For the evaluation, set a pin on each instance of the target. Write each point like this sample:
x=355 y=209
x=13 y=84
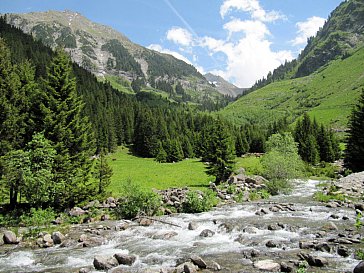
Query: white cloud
x=248 y=27
x=179 y=36
x=307 y=29
x=251 y=6
x=175 y=54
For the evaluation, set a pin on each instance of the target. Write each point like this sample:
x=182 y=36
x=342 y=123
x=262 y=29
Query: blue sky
x=241 y=40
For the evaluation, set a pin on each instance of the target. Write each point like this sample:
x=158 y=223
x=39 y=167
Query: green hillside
x=328 y=94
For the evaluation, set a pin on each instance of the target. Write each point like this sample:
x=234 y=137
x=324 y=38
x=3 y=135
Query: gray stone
x=343 y=251
x=192 y=226
x=189 y=268
x=267 y=265
x=330 y=226
x=76 y=211
x=84 y=270
x=315 y=260
x=359 y=268
x=287 y=267
x=125 y=259
x=197 y=260
x=272 y=243
x=10 y=237
x=207 y=233
x=105 y=263
x=58 y=237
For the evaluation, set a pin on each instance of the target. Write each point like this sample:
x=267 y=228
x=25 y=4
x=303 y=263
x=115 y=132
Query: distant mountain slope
x=223 y=86
x=107 y=53
x=340 y=36
x=328 y=94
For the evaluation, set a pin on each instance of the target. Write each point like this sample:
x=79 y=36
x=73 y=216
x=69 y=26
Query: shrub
x=136 y=202
x=196 y=203
x=261 y=194
x=37 y=220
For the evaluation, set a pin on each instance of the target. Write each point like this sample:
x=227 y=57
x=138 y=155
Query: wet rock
x=359 y=206
x=145 y=222
x=274 y=227
x=207 y=233
x=197 y=260
x=267 y=265
x=252 y=230
x=343 y=241
x=125 y=259
x=330 y=226
x=262 y=211
x=76 y=211
x=287 y=267
x=306 y=244
x=343 y=251
x=359 y=268
x=9 y=237
x=45 y=241
x=189 y=268
x=214 y=266
x=165 y=235
x=192 y=226
x=227 y=226
x=323 y=247
x=315 y=260
x=58 y=237
x=105 y=263
x=272 y=243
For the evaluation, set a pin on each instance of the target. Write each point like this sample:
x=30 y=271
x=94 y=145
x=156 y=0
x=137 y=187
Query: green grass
x=251 y=164
x=150 y=174
x=328 y=95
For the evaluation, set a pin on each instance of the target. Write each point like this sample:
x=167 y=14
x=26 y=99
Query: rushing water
x=237 y=228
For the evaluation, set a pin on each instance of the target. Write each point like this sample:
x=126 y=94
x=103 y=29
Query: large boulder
x=10 y=237
x=125 y=259
x=58 y=237
x=267 y=265
x=76 y=211
x=198 y=261
x=105 y=263
x=315 y=260
x=359 y=268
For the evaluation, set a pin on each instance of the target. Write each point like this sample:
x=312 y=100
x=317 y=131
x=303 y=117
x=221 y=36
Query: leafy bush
x=261 y=194
x=37 y=220
x=196 y=203
x=136 y=202
x=323 y=197
x=277 y=186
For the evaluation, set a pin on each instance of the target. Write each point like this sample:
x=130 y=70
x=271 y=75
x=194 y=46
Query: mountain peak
x=224 y=86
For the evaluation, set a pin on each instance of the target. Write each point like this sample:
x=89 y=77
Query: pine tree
x=354 y=154
x=70 y=132
x=102 y=173
x=220 y=157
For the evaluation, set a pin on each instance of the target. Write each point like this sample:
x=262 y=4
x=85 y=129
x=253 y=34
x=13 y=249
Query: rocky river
x=263 y=236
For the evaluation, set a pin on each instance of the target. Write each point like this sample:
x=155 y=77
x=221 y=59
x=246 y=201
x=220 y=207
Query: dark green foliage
x=315 y=143
x=102 y=172
x=241 y=143
x=354 y=154
x=69 y=130
x=174 y=150
x=219 y=152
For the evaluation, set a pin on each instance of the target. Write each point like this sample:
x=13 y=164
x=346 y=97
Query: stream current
x=237 y=231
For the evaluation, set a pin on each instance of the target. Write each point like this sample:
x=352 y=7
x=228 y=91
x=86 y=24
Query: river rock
x=105 y=217
x=125 y=259
x=359 y=268
x=272 y=243
x=76 y=211
x=192 y=226
x=145 y=222
x=274 y=227
x=197 y=260
x=306 y=244
x=57 y=237
x=105 y=263
x=189 y=268
x=323 y=247
x=84 y=270
x=165 y=235
x=45 y=241
x=343 y=251
x=315 y=260
x=252 y=230
x=330 y=226
x=207 y=233
x=214 y=266
x=267 y=265
x=287 y=267
x=9 y=237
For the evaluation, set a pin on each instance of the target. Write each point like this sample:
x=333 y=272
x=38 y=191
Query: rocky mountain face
x=223 y=86
x=106 y=52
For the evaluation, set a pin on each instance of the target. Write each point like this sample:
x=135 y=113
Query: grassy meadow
x=150 y=174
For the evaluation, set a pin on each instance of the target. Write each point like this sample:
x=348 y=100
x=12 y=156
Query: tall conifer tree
x=70 y=132
x=354 y=156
